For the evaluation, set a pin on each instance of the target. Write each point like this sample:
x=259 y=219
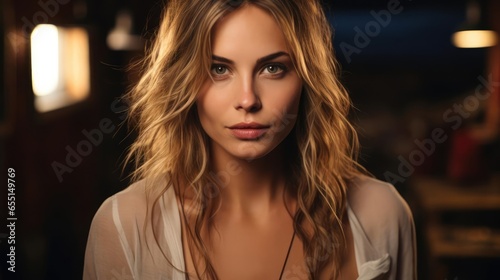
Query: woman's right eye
x=219 y=70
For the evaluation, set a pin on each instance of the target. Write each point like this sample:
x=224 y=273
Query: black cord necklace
x=287 y=254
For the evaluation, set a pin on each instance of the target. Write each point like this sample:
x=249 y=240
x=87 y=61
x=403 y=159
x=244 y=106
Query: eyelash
x=283 y=70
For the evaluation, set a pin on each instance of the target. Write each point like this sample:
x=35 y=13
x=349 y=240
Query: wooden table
x=436 y=196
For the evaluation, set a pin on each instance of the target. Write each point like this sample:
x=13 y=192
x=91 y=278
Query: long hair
x=171 y=141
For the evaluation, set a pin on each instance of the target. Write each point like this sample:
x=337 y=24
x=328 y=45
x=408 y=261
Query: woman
x=245 y=159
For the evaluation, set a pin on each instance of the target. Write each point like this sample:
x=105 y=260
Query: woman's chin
x=250 y=151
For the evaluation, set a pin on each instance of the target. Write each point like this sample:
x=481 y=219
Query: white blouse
x=119 y=248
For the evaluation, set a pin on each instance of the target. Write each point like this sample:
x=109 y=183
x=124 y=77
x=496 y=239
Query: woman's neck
x=250 y=187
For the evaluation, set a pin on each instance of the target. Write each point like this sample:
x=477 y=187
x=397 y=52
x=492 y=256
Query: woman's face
x=251 y=102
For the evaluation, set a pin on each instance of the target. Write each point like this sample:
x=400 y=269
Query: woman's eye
x=274 y=69
x=219 y=69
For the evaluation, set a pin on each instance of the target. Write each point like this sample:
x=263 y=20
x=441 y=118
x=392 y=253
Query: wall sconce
x=121 y=37
x=59 y=66
x=474 y=33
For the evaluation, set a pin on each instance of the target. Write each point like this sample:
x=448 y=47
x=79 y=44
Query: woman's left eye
x=273 y=69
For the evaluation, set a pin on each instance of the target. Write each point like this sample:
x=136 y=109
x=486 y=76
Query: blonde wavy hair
x=171 y=141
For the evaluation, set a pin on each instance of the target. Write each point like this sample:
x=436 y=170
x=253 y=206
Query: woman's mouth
x=248 y=131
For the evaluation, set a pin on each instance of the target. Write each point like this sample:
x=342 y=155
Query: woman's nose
x=247 y=96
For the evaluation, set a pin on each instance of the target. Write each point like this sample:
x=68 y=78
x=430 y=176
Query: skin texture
x=253 y=226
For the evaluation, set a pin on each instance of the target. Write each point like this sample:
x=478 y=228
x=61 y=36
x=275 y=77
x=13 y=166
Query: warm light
x=120 y=38
x=474 y=38
x=45 y=59
x=76 y=63
x=60 y=66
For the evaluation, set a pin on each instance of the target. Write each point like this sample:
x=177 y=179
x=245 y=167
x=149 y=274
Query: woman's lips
x=248 y=131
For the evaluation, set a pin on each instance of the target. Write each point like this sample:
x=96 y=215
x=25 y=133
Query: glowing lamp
x=59 y=66
x=474 y=33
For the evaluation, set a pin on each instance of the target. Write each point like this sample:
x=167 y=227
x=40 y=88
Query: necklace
x=286 y=258
x=287 y=254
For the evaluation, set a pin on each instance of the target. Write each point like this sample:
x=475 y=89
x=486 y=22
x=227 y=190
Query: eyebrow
x=259 y=61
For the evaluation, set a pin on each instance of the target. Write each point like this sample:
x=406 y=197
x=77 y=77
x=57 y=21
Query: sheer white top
x=119 y=248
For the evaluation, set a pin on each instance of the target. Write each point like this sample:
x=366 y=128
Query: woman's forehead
x=248 y=29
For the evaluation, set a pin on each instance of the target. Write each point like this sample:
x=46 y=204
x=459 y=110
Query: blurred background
x=424 y=81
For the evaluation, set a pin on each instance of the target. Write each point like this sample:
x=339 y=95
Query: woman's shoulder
x=128 y=235
x=377 y=204
x=130 y=204
x=383 y=229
